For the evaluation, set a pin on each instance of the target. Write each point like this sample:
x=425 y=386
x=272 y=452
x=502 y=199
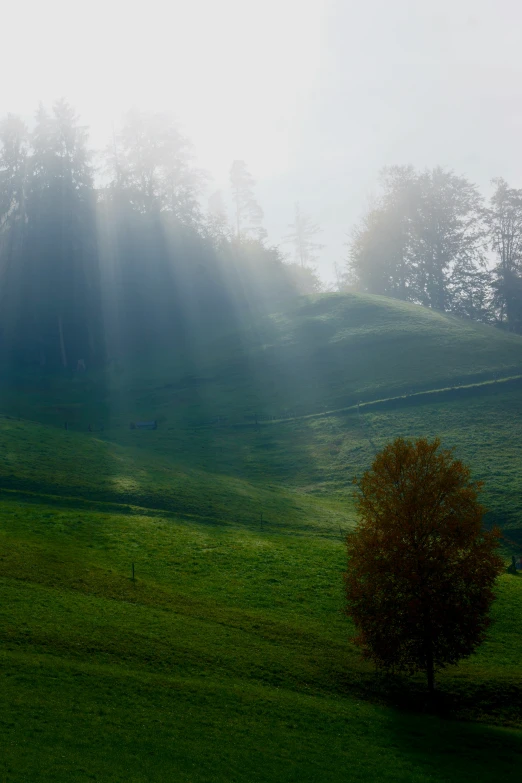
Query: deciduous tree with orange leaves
x=421 y=566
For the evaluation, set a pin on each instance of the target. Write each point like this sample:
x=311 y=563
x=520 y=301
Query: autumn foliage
x=421 y=567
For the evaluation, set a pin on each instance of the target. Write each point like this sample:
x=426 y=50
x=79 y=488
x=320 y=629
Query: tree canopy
x=430 y=238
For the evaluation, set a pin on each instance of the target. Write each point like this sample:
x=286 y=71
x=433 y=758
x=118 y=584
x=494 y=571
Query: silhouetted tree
x=421 y=567
x=504 y=220
x=447 y=233
x=61 y=236
x=470 y=290
x=425 y=229
x=14 y=151
x=89 y=272
x=14 y=139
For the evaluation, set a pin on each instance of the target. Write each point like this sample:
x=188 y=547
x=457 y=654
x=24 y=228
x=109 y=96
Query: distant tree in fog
x=217 y=227
x=151 y=161
x=89 y=271
x=425 y=230
x=303 y=278
x=248 y=213
x=302 y=238
x=504 y=220
x=60 y=277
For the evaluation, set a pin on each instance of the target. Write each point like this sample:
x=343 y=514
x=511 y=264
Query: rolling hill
x=228 y=657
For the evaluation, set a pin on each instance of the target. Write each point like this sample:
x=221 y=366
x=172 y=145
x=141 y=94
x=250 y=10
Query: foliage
x=151 y=163
x=304 y=279
x=504 y=220
x=424 y=241
x=421 y=569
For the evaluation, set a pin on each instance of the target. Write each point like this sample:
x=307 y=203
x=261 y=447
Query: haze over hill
x=296 y=400
x=184 y=405
x=347 y=89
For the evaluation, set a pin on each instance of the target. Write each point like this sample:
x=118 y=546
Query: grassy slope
x=229 y=658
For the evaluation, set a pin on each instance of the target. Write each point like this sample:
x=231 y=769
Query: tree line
x=109 y=251
x=102 y=252
x=431 y=238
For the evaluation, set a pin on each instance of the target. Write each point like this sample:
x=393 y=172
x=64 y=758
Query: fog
x=317 y=96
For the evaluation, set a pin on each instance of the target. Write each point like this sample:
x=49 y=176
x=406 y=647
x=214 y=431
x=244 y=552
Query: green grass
x=229 y=658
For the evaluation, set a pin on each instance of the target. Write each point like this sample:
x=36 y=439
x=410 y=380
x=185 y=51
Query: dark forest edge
x=96 y=261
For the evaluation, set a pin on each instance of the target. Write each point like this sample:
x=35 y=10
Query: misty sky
x=315 y=95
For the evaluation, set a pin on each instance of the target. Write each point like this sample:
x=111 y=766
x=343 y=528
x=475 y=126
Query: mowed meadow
x=228 y=657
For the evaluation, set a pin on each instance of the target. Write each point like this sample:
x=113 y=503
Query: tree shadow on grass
x=494 y=701
x=434 y=734
x=457 y=751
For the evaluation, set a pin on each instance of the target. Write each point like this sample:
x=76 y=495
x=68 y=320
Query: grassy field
x=229 y=657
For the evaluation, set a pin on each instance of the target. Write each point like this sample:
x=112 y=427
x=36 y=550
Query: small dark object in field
x=144 y=425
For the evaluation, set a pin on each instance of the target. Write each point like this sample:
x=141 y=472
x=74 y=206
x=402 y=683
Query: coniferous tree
x=14 y=153
x=61 y=237
x=14 y=140
x=87 y=273
x=248 y=213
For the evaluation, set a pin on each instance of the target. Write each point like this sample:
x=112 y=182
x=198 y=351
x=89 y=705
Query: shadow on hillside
x=449 y=750
x=494 y=701
x=452 y=738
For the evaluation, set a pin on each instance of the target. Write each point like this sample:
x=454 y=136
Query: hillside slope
x=228 y=657
x=330 y=351
x=236 y=415
x=321 y=353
